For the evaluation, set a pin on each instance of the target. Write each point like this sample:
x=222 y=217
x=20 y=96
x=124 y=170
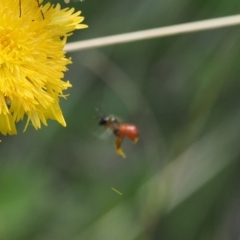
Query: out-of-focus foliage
x=181 y=181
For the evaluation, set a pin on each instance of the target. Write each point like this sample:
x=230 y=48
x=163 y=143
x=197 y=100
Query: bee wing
x=102 y=133
x=105 y=134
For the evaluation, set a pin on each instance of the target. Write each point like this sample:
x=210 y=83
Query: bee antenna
x=97 y=109
x=99 y=113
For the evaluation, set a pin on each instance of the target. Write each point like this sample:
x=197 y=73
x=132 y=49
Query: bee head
x=103 y=121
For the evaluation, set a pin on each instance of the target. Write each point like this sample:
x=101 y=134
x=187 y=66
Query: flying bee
x=120 y=131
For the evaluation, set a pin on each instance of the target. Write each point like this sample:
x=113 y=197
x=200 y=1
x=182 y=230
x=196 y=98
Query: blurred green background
x=181 y=180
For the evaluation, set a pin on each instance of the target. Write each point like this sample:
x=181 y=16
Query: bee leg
x=118 y=144
x=135 y=140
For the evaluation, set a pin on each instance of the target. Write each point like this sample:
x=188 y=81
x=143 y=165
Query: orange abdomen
x=129 y=130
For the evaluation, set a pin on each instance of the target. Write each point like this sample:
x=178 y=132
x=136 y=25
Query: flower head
x=32 y=61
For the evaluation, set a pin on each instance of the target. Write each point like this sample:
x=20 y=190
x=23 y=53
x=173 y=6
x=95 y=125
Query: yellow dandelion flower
x=32 y=61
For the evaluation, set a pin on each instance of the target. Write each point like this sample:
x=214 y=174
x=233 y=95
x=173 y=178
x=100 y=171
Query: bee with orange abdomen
x=120 y=130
